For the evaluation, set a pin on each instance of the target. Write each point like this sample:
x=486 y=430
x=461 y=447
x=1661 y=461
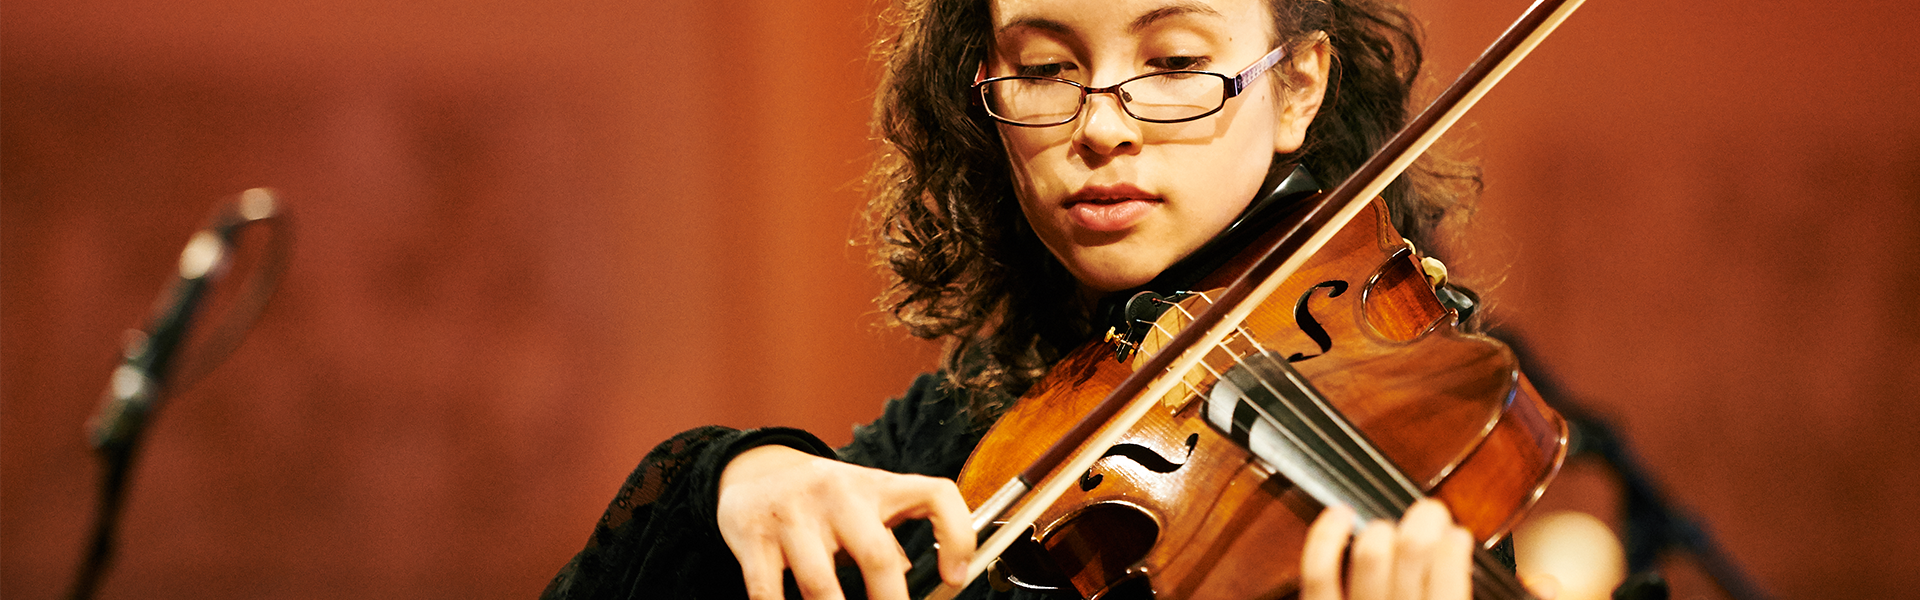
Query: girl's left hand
x=1425 y=555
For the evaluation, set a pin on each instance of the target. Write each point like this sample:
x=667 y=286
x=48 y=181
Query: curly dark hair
x=945 y=221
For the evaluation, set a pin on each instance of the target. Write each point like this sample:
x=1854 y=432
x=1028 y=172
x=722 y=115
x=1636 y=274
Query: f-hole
x=1141 y=455
x=1303 y=318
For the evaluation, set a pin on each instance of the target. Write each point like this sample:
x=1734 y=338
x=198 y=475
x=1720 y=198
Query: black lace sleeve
x=925 y=432
x=658 y=538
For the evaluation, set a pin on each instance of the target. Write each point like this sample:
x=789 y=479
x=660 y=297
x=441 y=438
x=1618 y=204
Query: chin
x=1116 y=267
x=1113 y=280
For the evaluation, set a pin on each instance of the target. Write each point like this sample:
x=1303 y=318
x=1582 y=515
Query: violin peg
x=1436 y=271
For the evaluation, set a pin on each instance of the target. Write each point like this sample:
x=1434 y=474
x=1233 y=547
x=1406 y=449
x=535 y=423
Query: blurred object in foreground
x=1574 y=547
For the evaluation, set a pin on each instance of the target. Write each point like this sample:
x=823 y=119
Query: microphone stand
x=147 y=366
x=118 y=462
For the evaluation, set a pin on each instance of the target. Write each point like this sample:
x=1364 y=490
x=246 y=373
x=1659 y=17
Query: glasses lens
x=1174 y=95
x=1033 y=101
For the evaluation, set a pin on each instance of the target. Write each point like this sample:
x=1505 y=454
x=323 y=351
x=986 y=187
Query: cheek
x=1032 y=164
x=1226 y=172
x=1028 y=153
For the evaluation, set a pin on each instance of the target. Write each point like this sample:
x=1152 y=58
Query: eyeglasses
x=1162 y=97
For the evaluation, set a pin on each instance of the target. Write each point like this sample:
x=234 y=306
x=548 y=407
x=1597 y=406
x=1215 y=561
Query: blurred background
x=535 y=239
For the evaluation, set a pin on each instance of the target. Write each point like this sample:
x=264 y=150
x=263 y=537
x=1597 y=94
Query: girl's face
x=1118 y=200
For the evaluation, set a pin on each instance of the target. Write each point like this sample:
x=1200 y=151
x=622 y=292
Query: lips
x=1109 y=208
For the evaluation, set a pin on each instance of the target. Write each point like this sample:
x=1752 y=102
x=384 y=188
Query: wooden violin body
x=1182 y=510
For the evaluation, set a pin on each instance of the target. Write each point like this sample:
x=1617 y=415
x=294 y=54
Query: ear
x=1306 y=87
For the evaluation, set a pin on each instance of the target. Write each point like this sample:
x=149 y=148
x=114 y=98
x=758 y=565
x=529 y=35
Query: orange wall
x=533 y=240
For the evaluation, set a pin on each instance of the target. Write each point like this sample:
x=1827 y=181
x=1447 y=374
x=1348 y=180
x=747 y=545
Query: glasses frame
x=1232 y=86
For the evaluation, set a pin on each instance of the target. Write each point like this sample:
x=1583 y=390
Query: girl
x=1042 y=155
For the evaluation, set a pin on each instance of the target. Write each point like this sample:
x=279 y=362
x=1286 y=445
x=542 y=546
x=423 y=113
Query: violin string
x=1353 y=465
x=1347 y=475
x=1193 y=391
x=1367 y=479
x=1364 y=480
x=1365 y=490
x=1350 y=472
x=1490 y=577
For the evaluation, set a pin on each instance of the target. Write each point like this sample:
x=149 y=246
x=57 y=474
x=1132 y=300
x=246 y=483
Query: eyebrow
x=1139 y=24
x=1169 y=11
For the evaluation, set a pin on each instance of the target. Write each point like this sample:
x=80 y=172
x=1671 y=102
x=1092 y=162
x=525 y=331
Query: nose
x=1105 y=128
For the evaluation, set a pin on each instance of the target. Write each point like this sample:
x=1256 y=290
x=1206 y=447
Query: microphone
x=147 y=357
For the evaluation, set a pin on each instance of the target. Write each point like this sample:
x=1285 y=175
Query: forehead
x=1129 y=17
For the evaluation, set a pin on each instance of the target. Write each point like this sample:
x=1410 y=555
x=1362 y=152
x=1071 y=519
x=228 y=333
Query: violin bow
x=1083 y=445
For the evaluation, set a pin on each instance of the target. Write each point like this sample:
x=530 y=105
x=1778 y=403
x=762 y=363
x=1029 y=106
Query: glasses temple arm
x=1240 y=82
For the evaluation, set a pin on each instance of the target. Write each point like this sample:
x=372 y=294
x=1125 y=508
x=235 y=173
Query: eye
x=1055 y=70
x=1180 y=63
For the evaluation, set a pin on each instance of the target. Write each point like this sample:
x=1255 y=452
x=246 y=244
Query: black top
x=659 y=538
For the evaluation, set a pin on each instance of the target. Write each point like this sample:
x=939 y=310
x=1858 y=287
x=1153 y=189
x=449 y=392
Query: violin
x=1189 y=454
x=1190 y=502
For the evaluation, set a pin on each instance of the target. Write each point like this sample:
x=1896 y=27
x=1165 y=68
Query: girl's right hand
x=782 y=509
x=1425 y=555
